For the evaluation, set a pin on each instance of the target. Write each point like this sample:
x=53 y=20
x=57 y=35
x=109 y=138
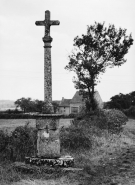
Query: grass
x=61 y=181
x=10 y=124
x=104 y=147
x=8 y=176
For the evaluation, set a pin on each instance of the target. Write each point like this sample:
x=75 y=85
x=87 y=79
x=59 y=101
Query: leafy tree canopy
x=122 y=101
x=29 y=105
x=100 y=48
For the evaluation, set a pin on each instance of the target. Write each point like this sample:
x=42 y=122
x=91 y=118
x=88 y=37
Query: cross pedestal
x=48 y=143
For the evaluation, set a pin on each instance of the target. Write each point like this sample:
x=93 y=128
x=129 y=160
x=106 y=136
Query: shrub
x=21 y=143
x=4 y=139
x=130 y=112
x=69 y=116
x=74 y=138
x=111 y=119
x=15 y=116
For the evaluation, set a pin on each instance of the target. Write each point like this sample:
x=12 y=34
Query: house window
x=74 y=110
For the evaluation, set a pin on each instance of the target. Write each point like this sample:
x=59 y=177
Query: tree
x=132 y=94
x=25 y=104
x=100 y=48
x=39 y=105
x=55 y=106
x=122 y=101
x=29 y=105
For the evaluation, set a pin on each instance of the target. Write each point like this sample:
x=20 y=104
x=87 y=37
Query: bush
x=4 y=139
x=74 y=138
x=69 y=116
x=130 y=112
x=111 y=119
x=15 y=116
x=21 y=143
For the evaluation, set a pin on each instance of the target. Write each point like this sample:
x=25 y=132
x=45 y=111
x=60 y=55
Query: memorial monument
x=48 y=141
x=47 y=39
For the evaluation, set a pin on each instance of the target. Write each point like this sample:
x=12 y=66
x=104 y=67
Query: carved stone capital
x=47 y=39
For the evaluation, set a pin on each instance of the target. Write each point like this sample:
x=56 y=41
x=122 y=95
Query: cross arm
x=40 y=23
x=54 y=23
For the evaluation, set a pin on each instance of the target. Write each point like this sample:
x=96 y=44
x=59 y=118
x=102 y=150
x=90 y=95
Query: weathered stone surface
x=50 y=122
x=47 y=76
x=47 y=58
x=48 y=142
x=61 y=162
x=47 y=23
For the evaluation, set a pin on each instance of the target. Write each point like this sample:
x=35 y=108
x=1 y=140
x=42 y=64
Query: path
x=130 y=124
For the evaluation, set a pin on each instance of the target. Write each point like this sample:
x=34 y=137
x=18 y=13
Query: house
x=64 y=106
x=71 y=106
x=98 y=100
x=74 y=105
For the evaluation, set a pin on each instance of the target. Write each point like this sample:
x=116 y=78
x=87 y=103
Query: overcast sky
x=22 y=52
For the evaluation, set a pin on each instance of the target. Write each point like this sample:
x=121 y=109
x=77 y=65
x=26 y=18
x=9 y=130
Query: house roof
x=65 y=103
x=77 y=98
x=56 y=101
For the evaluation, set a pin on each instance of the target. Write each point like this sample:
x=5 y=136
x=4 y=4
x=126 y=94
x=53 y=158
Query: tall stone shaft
x=47 y=56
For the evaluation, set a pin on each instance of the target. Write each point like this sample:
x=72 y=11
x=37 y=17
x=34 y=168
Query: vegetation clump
x=19 y=144
x=111 y=119
x=130 y=112
x=74 y=138
x=94 y=52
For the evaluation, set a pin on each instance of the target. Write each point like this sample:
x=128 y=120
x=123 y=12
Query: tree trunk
x=92 y=97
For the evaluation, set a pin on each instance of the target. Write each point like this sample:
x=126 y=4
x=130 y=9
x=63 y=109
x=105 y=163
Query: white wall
x=64 y=110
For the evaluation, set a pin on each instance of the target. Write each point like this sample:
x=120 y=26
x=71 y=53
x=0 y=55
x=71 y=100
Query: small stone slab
x=66 y=161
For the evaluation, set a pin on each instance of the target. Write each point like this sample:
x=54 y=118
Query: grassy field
x=100 y=164
x=11 y=124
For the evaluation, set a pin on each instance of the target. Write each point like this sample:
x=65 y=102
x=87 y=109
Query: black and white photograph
x=67 y=92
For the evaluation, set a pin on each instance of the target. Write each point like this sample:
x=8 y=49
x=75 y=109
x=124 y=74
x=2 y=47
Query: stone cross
x=47 y=23
x=47 y=57
x=48 y=125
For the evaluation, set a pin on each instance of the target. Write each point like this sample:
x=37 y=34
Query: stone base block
x=66 y=161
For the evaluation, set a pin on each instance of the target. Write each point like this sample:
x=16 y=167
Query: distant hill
x=7 y=104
